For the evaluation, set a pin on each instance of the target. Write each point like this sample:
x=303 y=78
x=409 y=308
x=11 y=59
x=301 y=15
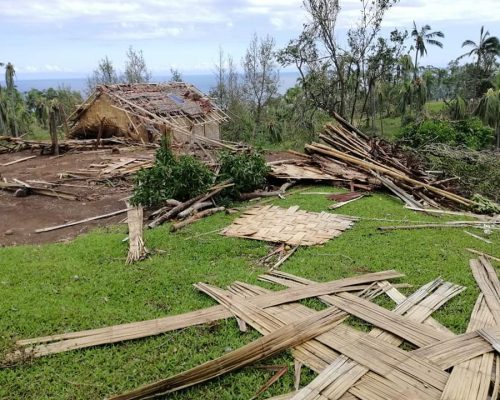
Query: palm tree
x=489 y=111
x=423 y=37
x=487 y=46
x=10 y=72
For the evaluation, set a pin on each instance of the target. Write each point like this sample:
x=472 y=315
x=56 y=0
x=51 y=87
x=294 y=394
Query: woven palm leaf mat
x=291 y=226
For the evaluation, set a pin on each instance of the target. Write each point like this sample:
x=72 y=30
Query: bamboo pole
x=317 y=147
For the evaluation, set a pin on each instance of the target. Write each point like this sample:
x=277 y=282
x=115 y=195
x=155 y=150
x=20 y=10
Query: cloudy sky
x=62 y=38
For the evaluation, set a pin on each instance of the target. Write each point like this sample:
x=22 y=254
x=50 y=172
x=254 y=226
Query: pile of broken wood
x=191 y=210
x=351 y=157
x=110 y=169
x=406 y=355
x=9 y=144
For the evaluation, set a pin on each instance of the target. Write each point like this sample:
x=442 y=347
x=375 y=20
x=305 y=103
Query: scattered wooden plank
x=343 y=203
x=17 y=161
x=36 y=190
x=487 y=280
x=53 y=228
x=462 y=224
x=196 y=217
x=478 y=237
x=284 y=258
x=480 y=253
x=264 y=347
x=76 y=340
x=418 y=334
x=181 y=207
x=470 y=380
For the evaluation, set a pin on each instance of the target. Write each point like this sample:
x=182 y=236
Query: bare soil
x=20 y=216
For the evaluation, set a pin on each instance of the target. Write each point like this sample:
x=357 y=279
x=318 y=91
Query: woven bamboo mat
x=291 y=226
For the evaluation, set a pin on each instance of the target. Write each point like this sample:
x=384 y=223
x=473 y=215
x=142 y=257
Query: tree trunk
x=497 y=147
x=356 y=90
x=53 y=132
x=415 y=67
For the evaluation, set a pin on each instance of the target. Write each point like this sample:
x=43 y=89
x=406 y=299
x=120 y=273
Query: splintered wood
x=350 y=363
x=291 y=226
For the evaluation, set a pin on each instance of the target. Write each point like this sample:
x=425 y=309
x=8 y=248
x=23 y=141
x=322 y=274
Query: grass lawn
x=86 y=284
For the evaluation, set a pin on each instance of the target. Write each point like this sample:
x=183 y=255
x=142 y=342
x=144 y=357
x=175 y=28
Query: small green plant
x=248 y=171
x=478 y=172
x=469 y=132
x=170 y=178
x=484 y=205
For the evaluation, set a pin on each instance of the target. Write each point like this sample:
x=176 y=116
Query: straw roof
x=178 y=104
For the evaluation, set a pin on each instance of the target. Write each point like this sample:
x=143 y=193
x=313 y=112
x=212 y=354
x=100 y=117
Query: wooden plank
x=53 y=228
x=480 y=253
x=136 y=330
x=450 y=352
x=478 y=237
x=18 y=161
x=344 y=372
x=416 y=333
x=344 y=336
x=470 y=380
x=264 y=347
x=487 y=280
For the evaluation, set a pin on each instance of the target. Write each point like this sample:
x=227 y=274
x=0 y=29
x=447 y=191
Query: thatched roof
x=176 y=103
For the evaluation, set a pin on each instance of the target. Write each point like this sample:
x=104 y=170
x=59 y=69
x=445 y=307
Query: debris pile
x=351 y=158
x=348 y=146
x=191 y=210
x=10 y=144
x=406 y=355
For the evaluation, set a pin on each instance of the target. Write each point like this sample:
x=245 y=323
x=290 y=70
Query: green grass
x=434 y=106
x=391 y=125
x=86 y=284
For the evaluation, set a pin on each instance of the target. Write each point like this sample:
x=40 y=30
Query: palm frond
x=469 y=43
x=435 y=43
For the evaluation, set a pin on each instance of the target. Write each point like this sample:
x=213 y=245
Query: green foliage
x=92 y=289
x=484 y=205
x=470 y=132
x=170 y=178
x=247 y=170
x=478 y=171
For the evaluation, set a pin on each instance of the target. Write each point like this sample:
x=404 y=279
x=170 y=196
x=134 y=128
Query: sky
x=67 y=38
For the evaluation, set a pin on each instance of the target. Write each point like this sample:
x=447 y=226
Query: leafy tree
x=486 y=50
x=489 y=111
x=175 y=75
x=104 y=74
x=423 y=37
x=14 y=117
x=261 y=76
x=136 y=70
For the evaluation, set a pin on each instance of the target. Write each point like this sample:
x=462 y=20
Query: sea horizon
x=204 y=82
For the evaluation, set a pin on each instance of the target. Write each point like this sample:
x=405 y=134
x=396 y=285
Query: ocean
x=204 y=82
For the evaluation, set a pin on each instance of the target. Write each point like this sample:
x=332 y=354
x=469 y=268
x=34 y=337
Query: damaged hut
x=146 y=112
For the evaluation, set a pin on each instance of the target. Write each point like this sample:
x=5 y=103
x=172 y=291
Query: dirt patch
x=273 y=156
x=21 y=216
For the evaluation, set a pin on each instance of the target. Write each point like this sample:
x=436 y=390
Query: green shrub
x=470 y=132
x=248 y=170
x=478 y=171
x=170 y=178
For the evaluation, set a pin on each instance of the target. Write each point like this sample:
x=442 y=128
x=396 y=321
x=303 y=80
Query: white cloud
x=428 y=11
x=147 y=19
x=41 y=68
